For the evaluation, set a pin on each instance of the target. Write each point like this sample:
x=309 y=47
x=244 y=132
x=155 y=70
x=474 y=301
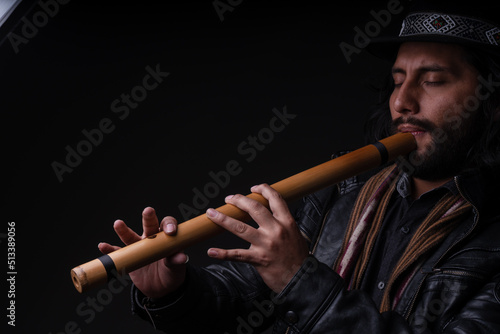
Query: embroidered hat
x=472 y=23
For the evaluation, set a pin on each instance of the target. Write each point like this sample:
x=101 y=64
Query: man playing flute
x=415 y=248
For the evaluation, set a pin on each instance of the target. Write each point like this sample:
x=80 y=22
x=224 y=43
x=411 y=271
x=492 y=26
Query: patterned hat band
x=461 y=27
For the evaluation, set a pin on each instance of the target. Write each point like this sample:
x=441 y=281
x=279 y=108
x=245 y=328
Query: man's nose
x=405 y=99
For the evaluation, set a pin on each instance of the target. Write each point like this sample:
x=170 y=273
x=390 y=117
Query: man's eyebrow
x=423 y=69
x=396 y=70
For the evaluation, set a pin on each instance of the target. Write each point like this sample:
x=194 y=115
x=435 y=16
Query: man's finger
x=126 y=235
x=177 y=259
x=149 y=222
x=259 y=213
x=169 y=225
x=277 y=204
x=238 y=255
x=238 y=228
x=106 y=248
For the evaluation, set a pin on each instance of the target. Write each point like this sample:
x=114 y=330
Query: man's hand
x=277 y=248
x=161 y=277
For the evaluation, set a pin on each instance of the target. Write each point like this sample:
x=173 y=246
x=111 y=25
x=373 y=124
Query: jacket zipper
x=455 y=272
x=315 y=245
x=320 y=232
x=476 y=220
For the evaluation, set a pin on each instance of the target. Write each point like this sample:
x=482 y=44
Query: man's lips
x=414 y=130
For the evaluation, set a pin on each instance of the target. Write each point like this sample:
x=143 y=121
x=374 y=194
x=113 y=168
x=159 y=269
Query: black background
x=226 y=76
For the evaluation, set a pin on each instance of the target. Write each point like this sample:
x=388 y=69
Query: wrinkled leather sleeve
x=230 y=300
x=316 y=301
x=216 y=299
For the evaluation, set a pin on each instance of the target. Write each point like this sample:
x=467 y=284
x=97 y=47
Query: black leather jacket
x=456 y=291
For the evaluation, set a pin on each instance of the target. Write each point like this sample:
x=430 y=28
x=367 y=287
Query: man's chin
x=432 y=167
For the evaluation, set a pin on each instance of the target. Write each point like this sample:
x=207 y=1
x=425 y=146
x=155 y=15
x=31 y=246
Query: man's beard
x=449 y=151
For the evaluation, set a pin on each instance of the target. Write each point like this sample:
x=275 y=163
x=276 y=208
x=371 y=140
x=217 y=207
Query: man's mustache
x=421 y=123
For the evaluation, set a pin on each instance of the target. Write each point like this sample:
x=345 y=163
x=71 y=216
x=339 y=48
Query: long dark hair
x=485 y=155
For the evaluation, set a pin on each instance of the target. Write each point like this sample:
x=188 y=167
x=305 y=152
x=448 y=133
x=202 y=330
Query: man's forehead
x=430 y=56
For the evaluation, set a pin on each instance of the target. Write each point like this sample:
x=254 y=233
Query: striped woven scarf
x=366 y=221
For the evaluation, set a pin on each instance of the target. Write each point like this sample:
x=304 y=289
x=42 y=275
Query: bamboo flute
x=146 y=251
